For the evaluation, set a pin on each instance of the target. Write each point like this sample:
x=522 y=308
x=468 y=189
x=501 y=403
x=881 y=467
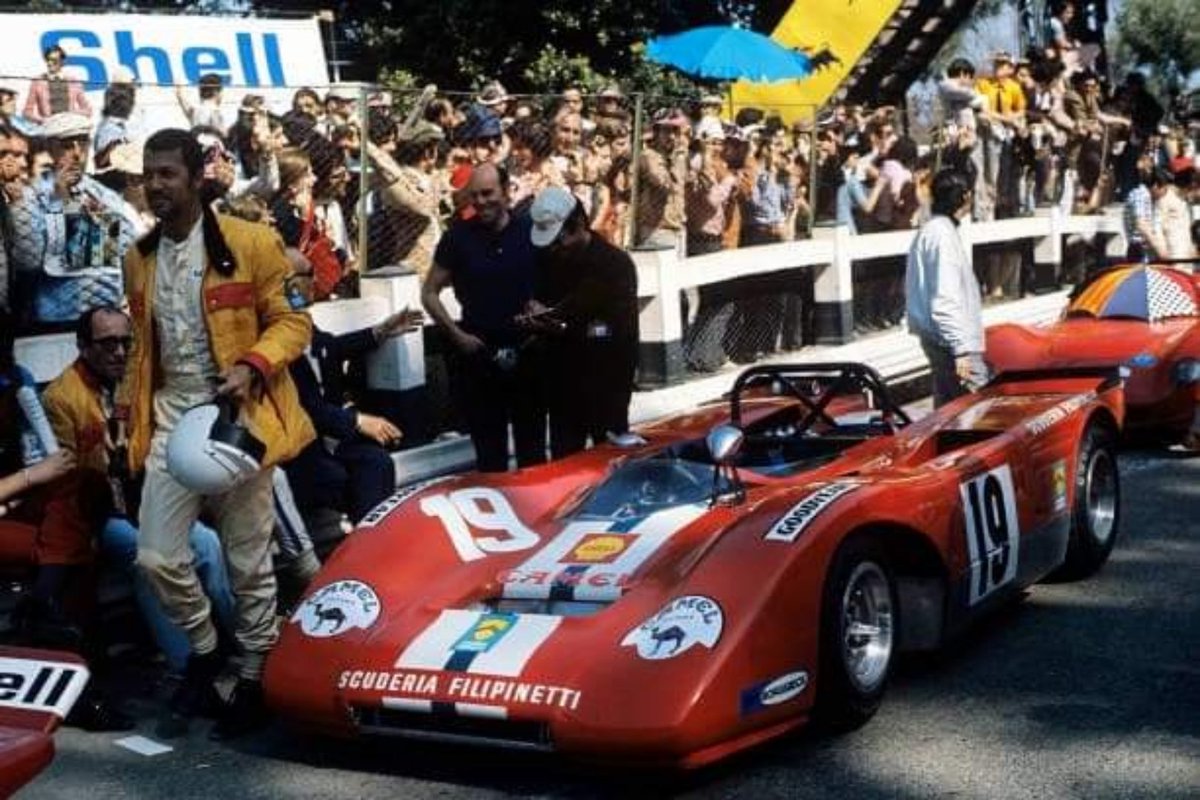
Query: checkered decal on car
x=1167 y=298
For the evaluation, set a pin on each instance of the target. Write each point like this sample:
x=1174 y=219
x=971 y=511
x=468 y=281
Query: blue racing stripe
x=565 y=590
x=460 y=660
x=626 y=524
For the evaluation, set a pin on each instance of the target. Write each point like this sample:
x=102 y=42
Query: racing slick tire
x=1096 y=512
x=859 y=618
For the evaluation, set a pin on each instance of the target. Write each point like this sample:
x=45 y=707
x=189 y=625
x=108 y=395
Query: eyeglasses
x=21 y=153
x=112 y=343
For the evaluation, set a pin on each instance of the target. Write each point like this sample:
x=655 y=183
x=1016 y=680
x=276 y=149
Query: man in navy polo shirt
x=489 y=260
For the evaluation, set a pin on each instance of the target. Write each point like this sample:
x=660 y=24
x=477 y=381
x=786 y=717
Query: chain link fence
x=360 y=179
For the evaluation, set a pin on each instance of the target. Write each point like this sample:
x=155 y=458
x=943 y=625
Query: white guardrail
x=661 y=276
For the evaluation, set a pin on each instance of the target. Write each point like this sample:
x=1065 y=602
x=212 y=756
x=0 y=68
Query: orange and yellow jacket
x=73 y=406
x=248 y=319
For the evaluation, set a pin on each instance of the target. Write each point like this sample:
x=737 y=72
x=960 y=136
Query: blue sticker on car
x=773 y=692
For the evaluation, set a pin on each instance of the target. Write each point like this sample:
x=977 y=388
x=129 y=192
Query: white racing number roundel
x=992 y=530
x=677 y=626
x=336 y=608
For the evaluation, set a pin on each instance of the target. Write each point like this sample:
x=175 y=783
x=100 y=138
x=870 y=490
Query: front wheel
x=858 y=635
x=1096 y=512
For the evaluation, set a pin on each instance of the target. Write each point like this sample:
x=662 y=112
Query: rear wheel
x=858 y=635
x=1096 y=513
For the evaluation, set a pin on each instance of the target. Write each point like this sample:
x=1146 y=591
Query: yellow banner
x=834 y=34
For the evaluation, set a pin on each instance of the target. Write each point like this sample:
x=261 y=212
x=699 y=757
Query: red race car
x=1146 y=318
x=677 y=596
x=37 y=689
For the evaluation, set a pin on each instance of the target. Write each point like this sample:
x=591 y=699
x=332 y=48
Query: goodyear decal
x=789 y=527
x=595 y=560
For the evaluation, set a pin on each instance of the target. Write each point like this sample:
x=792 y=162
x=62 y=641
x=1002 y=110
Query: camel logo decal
x=336 y=608
x=677 y=626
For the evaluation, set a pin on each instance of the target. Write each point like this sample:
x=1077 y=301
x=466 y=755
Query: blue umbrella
x=728 y=54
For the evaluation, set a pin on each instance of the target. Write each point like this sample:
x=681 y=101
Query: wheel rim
x=867 y=629
x=1100 y=491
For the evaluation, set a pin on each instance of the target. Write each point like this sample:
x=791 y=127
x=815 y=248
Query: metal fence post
x=364 y=183
x=635 y=159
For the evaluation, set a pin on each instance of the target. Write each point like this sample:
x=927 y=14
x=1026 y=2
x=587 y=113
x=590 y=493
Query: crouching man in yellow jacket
x=206 y=296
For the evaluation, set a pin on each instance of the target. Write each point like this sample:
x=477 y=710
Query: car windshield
x=644 y=486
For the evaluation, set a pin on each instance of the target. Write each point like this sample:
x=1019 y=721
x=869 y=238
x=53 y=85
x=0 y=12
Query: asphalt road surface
x=1087 y=690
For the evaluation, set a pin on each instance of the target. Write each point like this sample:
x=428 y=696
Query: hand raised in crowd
x=52 y=467
x=378 y=429
x=239 y=382
x=404 y=321
x=66 y=177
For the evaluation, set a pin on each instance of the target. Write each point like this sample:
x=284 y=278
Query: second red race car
x=723 y=578
x=1144 y=318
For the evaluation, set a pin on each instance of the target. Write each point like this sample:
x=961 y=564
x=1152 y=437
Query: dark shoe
x=195 y=696
x=95 y=714
x=245 y=712
x=40 y=625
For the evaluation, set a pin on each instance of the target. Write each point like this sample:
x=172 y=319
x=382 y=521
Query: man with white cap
x=585 y=307
x=339 y=108
x=80 y=230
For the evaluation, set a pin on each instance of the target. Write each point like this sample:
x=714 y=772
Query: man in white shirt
x=942 y=293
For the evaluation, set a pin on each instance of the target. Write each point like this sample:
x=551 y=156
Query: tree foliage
x=1161 y=35
x=529 y=46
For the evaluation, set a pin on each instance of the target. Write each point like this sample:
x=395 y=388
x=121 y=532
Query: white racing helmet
x=209 y=453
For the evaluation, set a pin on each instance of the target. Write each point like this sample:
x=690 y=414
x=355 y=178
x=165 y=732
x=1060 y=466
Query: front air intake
x=481 y=731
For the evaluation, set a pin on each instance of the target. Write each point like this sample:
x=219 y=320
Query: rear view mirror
x=724 y=444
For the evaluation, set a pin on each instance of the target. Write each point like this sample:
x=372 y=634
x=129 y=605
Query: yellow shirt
x=1004 y=96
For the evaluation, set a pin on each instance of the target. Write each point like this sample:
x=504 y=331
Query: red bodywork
x=37 y=689
x=1162 y=389
x=458 y=635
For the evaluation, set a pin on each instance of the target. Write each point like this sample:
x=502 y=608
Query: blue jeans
x=118 y=543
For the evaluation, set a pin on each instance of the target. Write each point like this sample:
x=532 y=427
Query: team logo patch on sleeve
x=336 y=608
x=800 y=516
x=680 y=624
